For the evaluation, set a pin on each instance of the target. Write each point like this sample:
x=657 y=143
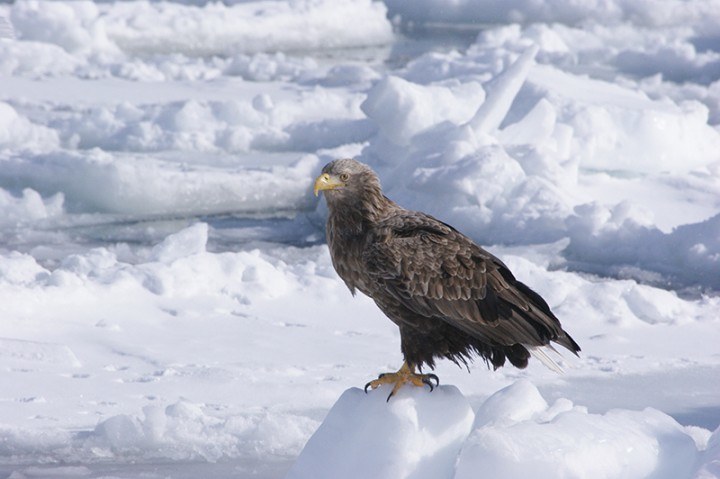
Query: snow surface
x=169 y=308
x=513 y=433
x=421 y=436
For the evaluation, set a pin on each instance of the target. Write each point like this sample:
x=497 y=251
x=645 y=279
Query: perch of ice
x=514 y=433
x=414 y=435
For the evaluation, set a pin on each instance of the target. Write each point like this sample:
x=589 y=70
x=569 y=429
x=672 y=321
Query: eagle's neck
x=350 y=225
x=353 y=216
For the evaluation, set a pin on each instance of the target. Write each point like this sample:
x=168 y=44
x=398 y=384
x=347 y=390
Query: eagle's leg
x=405 y=374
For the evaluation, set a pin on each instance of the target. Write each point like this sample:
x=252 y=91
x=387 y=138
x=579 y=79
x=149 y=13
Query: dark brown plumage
x=449 y=297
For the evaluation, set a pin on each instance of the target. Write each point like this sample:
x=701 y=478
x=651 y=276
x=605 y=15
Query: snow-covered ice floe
x=143 y=362
x=63 y=34
x=515 y=163
x=514 y=433
x=413 y=435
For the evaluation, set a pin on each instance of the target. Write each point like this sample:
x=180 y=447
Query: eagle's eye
x=344 y=177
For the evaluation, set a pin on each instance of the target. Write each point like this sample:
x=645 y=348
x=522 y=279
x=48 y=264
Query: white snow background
x=168 y=307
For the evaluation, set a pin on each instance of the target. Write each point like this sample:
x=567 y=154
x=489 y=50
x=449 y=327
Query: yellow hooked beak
x=326 y=182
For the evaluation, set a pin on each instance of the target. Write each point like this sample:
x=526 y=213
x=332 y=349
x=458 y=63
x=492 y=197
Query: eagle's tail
x=539 y=353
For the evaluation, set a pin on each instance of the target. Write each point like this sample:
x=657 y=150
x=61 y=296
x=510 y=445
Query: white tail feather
x=539 y=354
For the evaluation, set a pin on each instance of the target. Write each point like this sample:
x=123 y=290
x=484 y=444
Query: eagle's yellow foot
x=403 y=376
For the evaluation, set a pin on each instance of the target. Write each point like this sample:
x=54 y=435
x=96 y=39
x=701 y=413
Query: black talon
x=367 y=386
x=389 y=396
x=433 y=376
x=429 y=383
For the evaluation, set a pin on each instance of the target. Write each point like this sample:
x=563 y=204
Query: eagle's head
x=347 y=180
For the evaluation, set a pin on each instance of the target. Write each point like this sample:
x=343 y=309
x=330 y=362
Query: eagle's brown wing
x=435 y=271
